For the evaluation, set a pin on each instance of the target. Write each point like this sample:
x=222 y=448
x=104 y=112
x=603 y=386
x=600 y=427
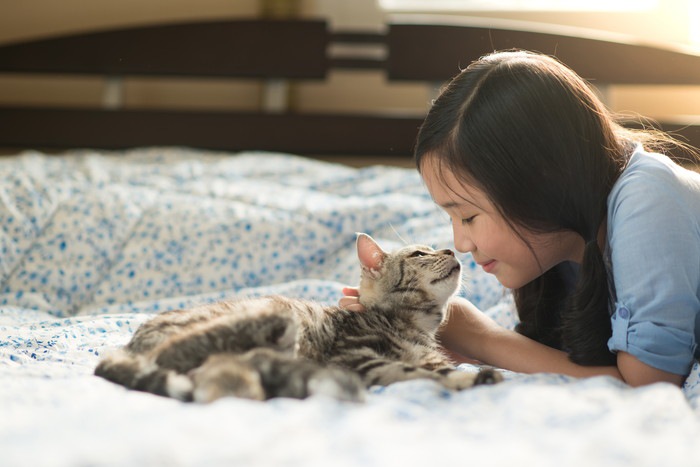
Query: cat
x=275 y=346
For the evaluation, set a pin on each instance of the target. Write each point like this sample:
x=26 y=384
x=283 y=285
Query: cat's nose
x=447 y=252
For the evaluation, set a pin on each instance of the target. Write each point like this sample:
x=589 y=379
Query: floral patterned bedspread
x=94 y=243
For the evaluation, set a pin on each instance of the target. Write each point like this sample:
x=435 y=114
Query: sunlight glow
x=517 y=5
x=694 y=18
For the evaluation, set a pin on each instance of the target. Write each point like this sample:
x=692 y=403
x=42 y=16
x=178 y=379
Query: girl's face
x=479 y=228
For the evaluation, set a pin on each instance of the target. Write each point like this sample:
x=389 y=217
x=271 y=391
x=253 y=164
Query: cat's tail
x=141 y=374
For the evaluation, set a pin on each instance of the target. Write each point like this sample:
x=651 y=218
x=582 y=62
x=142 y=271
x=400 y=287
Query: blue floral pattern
x=93 y=243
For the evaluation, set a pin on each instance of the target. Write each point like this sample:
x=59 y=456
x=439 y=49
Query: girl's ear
x=370 y=254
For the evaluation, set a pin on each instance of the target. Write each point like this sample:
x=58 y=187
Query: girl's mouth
x=488 y=266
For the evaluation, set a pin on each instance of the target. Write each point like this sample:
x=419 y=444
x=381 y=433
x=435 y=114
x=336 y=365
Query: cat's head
x=416 y=279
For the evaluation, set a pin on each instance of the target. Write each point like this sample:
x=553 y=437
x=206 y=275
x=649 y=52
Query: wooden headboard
x=416 y=49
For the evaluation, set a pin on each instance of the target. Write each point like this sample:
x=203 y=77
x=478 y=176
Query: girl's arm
x=637 y=373
x=471 y=333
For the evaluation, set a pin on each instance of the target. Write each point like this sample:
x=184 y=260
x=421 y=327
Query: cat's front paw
x=459 y=380
x=488 y=375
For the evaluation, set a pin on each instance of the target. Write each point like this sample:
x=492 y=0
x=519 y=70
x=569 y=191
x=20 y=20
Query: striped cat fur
x=275 y=346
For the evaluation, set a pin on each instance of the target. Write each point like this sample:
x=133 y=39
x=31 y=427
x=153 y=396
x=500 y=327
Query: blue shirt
x=653 y=256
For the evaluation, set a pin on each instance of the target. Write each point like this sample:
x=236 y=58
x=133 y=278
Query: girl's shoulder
x=661 y=168
x=654 y=181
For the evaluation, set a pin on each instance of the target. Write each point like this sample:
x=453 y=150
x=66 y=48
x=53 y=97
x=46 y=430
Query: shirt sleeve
x=655 y=254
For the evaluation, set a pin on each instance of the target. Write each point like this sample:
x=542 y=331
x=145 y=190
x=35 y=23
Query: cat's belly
x=343 y=336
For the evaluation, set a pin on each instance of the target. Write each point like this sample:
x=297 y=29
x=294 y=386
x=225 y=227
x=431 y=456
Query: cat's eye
x=417 y=253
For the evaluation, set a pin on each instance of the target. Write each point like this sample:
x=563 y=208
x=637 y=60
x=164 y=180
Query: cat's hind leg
x=229 y=335
x=264 y=373
x=224 y=375
x=287 y=376
x=138 y=373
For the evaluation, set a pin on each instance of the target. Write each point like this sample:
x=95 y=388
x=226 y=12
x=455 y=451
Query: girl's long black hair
x=533 y=136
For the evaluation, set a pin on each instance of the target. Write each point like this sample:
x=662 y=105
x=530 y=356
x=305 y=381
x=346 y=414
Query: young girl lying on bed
x=598 y=238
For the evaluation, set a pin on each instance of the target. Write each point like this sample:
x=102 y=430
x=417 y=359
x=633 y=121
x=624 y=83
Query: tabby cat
x=281 y=347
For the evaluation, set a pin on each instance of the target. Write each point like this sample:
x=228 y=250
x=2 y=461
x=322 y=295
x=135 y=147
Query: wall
x=24 y=19
x=346 y=91
x=670 y=21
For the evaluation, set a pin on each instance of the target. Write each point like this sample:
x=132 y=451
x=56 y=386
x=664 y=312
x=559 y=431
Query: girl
x=598 y=238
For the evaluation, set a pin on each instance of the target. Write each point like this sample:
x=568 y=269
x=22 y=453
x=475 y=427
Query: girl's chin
x=509 y=282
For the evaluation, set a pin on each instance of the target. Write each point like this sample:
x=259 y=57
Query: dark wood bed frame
x=421 y=49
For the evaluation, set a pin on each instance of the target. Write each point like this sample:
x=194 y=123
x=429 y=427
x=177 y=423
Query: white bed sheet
x=94 y=243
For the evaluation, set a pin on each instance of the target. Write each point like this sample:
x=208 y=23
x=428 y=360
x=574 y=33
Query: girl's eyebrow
x=454 y=204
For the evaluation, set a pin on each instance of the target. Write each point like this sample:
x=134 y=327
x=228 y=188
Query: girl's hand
x=351 y=300
x=467 y=332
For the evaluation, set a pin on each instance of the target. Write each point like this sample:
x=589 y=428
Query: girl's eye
x=416 y=254
x=468 y=220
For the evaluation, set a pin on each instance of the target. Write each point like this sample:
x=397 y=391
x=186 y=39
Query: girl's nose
x=463 y=243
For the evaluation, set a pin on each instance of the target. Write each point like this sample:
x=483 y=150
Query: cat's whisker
x=463 y=285
x=398 y=234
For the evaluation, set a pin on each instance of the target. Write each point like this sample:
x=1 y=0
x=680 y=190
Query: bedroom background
x=94 y=241
x=673 y=22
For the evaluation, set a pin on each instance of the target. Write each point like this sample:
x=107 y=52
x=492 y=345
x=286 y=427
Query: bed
x=143 y=211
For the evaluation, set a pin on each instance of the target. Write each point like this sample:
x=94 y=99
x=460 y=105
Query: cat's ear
x=370 y=254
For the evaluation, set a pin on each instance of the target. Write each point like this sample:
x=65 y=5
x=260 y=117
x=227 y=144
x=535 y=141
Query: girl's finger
x=351 y=292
